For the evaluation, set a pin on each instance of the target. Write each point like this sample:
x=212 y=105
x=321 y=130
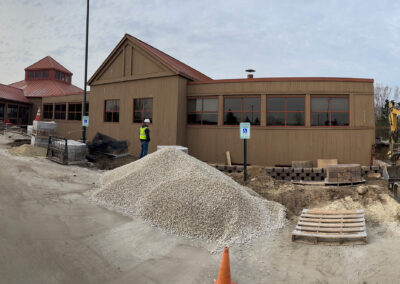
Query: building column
x=220 y=110
x=263 y=110
x=307 y=111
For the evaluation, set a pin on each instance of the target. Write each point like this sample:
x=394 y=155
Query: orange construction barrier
x=224 y=275
x=38 y=115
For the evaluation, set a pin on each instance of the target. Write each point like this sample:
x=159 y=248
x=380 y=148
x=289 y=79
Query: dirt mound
x=187 y=197
x=377 y=201
x=28 y=151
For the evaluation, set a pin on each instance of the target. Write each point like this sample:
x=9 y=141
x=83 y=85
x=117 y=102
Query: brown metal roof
x=176 y=65
x=12 y=94
x=48 y=63
x=284 y=79
x=46 y=88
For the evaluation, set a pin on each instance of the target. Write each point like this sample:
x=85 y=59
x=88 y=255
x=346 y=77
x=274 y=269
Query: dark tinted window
x=329 y=112
x=339 y=104
x=60 y=111
x=285 y=111
x=319 y=104
x=295 y=104
x=203 y=111
x=242 y=109
x=142 y=109
x=232 y=104
x=46 y=74
x=111 y=111
x=276 y=104
x=48 y=111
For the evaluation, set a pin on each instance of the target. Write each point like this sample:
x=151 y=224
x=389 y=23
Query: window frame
x=285 y=111
x=55 y=111
x=75 y=112
x=329 y=97
x=112 y=112
x=202 y=110
x=241 y=111
x=52 y=111
x=142 y=111
x=15 y=119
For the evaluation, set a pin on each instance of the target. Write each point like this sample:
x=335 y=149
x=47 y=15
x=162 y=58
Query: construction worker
x=144 y=137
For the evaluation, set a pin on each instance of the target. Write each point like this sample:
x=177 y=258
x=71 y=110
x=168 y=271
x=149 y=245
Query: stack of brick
x=288 y=174
x=343 y=173
x=41 y=131
x=297 y=174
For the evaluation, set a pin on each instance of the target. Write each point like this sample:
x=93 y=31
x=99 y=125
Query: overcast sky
x=219 y=38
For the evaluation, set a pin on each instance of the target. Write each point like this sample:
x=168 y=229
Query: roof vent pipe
x=249 y=73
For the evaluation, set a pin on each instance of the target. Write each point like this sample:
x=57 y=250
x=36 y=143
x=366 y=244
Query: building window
x=38 y=74
x=31 y=75
x=12 y=113
x=203 y=111
x=57 y=75
x=242 y=109
x=2 y=111
x=45 y=74
x=66 y=78
x=111 y=111
x=75 y=111
x=284 y=111
x=142 y=109
x=23 y=115
x=48 y=111
x=60 y=111
x=329 y=112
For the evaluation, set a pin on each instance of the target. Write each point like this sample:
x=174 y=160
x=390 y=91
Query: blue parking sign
x=244 y=130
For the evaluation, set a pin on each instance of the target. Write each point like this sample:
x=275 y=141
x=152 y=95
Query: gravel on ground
x=186 y=197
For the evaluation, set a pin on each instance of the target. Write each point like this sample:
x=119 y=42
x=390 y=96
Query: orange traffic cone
x=38 y=115
x=224 y=275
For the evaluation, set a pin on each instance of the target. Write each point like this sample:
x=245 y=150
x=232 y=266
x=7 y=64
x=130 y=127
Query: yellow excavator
x=394 y=151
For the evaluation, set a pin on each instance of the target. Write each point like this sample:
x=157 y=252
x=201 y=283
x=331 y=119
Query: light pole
x=86 y=63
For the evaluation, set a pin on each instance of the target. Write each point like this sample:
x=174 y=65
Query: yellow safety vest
x=142 y=135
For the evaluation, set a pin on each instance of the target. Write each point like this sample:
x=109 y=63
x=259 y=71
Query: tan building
x=292 y=118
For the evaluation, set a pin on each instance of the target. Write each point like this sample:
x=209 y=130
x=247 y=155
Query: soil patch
x=28 y=151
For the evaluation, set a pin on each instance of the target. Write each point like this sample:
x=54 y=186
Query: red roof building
x=47 y=78
x=20 y=101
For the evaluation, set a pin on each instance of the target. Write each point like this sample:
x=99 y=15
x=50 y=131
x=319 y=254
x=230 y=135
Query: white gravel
x=186 y=197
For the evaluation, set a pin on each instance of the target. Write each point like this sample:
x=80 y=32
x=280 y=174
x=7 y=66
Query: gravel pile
x=28 y=151
x=187 y=197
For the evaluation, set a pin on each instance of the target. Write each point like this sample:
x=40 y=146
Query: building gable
x=129 y=61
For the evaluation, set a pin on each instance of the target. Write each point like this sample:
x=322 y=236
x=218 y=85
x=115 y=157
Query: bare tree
x=381 y=94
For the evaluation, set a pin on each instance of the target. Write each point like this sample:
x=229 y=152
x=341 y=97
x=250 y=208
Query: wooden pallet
x=342 y=227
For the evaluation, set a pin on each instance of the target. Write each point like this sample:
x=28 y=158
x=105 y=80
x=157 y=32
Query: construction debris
x=106 y=145
x=187 y=197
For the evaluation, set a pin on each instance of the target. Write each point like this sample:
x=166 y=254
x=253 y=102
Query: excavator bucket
x=394 y=180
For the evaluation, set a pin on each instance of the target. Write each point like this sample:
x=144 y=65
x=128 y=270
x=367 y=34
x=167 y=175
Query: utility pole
x=86 y=63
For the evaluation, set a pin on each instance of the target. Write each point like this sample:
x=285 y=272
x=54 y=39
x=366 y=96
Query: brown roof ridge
x=177 y=65
x=285 y=79
x=49 y=63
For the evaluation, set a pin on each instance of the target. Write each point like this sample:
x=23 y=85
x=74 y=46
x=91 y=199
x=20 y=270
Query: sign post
x=244 y=134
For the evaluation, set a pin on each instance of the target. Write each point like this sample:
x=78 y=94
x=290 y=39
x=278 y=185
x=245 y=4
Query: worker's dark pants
x=145 y=148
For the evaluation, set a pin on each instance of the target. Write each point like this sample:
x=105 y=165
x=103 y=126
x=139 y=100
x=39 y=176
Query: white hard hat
x=147 y=120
